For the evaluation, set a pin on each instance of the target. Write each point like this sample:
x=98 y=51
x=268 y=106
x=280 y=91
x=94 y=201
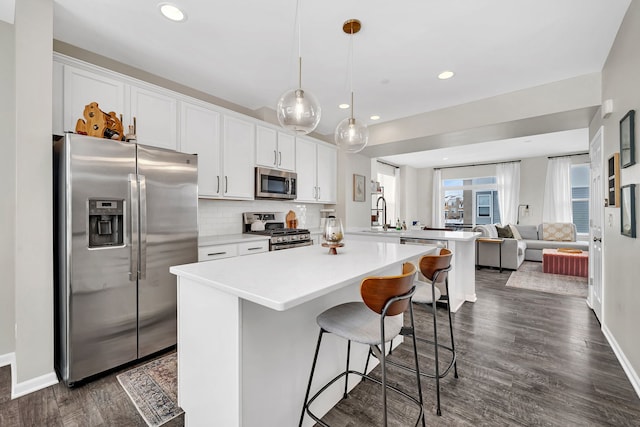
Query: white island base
x=247 y=330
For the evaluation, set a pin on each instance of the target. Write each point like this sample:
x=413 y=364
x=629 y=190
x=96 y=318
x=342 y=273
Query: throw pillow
x=557 y=231
x=516 y=233
x=504 y=232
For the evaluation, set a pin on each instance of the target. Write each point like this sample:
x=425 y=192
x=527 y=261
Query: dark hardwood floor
x=100 y=403
x=524 y=358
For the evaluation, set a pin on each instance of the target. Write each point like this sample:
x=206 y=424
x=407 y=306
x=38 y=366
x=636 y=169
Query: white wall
x=424 y=188
x=409 y=194
x=533 y=173
x=621 y=297
x=354 y=214
x=33 y=225
x=7 y=189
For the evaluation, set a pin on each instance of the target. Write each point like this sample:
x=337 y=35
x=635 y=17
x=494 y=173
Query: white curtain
x=438 y=200
x=508 y=183
x=557 y=192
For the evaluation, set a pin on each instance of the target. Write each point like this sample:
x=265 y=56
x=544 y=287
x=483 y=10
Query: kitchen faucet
x=384 y=211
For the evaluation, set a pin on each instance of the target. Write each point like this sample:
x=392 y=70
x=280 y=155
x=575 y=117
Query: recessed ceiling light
x=445 y=158
x=172 y=12
x=343 y=106
x=375 y=117
x=446 y=75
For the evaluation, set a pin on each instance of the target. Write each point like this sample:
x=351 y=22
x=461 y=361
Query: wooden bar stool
x=373 y=322
x=435 y=270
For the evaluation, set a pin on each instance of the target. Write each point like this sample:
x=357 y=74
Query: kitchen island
x=247 y=330
x=462 y=279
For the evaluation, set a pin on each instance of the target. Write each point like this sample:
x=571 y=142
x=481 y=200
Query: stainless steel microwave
x=275 y=184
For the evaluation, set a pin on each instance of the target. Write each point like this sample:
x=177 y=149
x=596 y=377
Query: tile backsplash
x=220 y=217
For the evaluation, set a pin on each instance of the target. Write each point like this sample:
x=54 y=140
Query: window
x=468 y=202
x=580 y=197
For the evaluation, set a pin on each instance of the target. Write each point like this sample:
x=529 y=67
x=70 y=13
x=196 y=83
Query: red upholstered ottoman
x=569 y=263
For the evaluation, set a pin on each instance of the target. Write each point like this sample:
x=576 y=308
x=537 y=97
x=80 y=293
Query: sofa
x=527 y=242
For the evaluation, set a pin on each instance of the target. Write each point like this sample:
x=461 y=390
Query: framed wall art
x=628 y=210
x=627 y=140
x=358 y=188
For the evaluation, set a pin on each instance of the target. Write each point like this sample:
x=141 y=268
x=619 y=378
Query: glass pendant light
x=351 y=135
x=298 y=110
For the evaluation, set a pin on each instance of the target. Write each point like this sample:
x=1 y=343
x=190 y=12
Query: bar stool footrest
x=364 y=376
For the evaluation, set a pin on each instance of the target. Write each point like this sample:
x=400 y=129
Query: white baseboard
x=7 y=359
x=626 y=365
x=29 y=386
x=34 y=384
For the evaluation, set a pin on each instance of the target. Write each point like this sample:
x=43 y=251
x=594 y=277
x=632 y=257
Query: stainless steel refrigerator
x=123 y=214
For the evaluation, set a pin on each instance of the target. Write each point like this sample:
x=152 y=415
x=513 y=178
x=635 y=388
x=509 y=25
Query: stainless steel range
x=272 y=224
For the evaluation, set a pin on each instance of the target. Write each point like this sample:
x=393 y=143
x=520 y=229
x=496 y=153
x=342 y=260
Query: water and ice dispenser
x=106 y=223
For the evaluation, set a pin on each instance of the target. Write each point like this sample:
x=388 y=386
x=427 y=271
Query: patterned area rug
x=530 y=276
x=153 y=388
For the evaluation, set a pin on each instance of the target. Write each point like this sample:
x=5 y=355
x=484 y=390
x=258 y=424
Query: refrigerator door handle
x=143 y=226
x=134 y=222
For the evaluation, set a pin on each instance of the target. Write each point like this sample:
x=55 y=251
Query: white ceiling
x=550 y=144
x=245 y=51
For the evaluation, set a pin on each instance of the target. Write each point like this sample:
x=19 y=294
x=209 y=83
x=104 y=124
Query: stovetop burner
x=280 y=231
x=281 y=237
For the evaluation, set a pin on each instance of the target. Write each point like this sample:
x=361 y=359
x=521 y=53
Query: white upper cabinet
x=327 y=173
x=156 y=117
x=238 y=142
x=200 y=134
x=306 y=170
x=84 y=87
x=286 y=151
x=275 y=149
x=316 y=169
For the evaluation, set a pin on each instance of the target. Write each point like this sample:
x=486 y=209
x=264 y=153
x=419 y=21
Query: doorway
x=596 y=213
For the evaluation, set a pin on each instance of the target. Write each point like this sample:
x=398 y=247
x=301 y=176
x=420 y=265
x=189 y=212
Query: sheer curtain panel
x=508 y=185
x=557 y=192
x=438 y=200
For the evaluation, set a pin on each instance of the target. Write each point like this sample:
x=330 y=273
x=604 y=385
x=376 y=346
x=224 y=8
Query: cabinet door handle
x=275 y=158
x=218 y=187
x=216 y=253
x=318 y=193
x=254 y=249
x=226 y=184
x=279 y=158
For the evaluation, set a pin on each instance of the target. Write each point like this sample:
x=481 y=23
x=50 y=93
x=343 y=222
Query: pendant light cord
x=351 y=68
x=298 y=18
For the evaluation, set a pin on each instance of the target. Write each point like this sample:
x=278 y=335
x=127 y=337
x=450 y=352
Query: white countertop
x=281 y=280
x=419 y=234
x=229 y=238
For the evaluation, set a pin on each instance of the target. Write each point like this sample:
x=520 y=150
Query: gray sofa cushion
x=547 y=244
x=528 y=232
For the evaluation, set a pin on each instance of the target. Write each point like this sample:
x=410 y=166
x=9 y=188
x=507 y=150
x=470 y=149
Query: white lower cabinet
x=248 y=248
x=316 y=166
x=212 y=252
x=208 y=253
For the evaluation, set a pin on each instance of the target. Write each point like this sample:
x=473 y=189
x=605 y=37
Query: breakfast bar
x=462 y=283
x=247 y=329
